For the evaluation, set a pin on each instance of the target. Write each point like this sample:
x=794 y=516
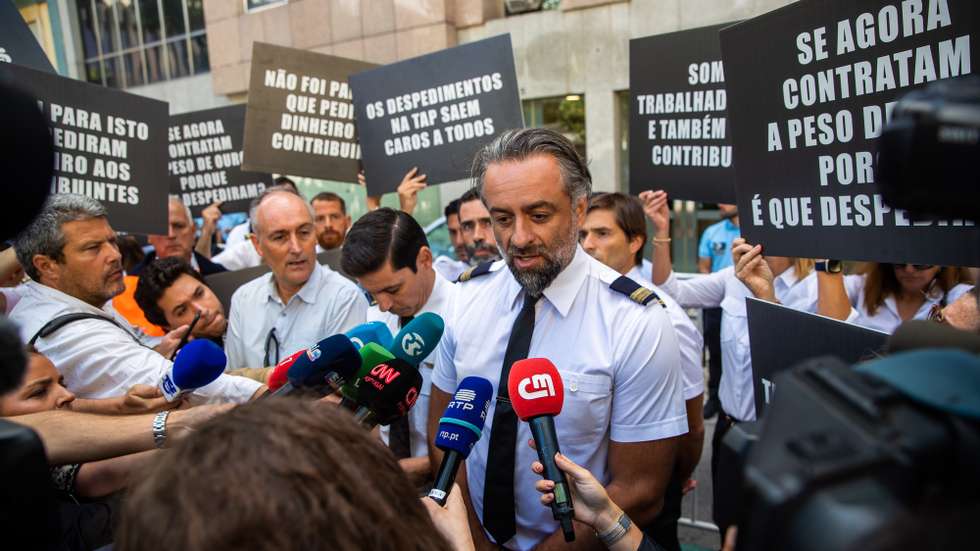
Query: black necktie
x=498 y=491
x=399 y=437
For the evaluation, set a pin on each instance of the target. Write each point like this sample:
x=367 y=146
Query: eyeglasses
x=916 y=267
x=271 y=341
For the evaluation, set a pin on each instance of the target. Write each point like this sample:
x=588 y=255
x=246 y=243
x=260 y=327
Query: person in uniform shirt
x=331 y=219
x=477 y=229
x=613 y=345
x=389 y=256
x=614 y=233
x=450 y=268
x=300 y=302
x=69 y=251
x=714 y=255
x=883 y=296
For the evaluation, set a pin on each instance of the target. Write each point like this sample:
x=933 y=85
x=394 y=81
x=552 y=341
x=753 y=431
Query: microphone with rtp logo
x=372 y=331
x=324 y=366
x=418 y=338
x=459 y=430
x=537 y=394
x=197 y=364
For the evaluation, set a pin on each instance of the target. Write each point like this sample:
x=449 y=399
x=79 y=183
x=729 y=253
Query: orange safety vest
x=126 y=305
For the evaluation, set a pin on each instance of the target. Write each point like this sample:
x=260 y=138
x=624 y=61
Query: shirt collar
x=55 y=294
x=562 y=291
x=787 y=278
x=307 y=293
x=437 y=298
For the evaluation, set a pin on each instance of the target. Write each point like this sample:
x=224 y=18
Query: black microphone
x=387 y=392
x=916 y=334
x=459 y=429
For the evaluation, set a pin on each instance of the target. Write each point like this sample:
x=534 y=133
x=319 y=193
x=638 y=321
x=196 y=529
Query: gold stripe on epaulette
x=641 y=295
x=465 y=276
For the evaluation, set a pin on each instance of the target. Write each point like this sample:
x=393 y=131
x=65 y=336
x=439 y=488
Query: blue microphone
x=372 y=331
x=197 y=364
x=324 y=367
x=418 y=338
x=459 y=430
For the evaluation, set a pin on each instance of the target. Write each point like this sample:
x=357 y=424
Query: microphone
x=372 y=331
x=537 y=394
x=324 y=366
x=278 y=376
x=197 y=364
x=371 y=354
x=418 y=338
x=387 y=392
x=459 y=430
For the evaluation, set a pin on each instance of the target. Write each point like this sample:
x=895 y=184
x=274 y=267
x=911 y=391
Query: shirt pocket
x=587 y=408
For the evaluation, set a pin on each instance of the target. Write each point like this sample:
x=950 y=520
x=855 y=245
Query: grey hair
x=45 y=235
x=187 y=210
x=253 y=207
x=522 y=143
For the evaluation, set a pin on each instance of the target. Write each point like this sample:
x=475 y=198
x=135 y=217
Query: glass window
x=131 y=43
x=562 y=114
x=623 y=131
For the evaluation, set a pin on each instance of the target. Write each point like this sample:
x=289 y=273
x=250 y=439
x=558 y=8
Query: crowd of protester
x=100 y=319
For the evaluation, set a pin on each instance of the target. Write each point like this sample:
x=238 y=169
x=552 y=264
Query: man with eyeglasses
x=300 y=302
x=477 y=229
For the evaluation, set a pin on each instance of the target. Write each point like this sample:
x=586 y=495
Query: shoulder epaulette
x=476 y=271
x=637 y=293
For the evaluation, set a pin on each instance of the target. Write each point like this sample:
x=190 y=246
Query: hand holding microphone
x=460 y=427
x=197 y=364
x=537 y=394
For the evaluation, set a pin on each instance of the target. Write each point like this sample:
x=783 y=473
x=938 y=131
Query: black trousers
x=712 y=341
x=663 y=529
x=724 y=478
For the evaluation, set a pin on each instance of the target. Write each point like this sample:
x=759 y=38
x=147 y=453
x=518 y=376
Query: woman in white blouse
x=882 y=296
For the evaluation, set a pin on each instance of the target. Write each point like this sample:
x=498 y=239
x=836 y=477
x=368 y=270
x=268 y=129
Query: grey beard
x=535 y=281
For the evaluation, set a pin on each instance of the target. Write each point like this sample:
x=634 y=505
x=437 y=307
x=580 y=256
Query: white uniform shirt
x=237 y=234
x=328 y=304
x=617 y=359
x=239 y=256
x=439 y=302
x=722 y=289
x=689 y=339
x=449 y=268
x=886 y=318
x=100 y=360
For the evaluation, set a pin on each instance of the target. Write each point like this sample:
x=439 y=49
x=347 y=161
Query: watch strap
x=160 y=428
x=617 y=532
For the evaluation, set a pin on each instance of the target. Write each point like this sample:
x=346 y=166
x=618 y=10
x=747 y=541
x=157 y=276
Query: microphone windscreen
x=535 y=388
x=334 y=354
x=418 y=338
x=198 y=364
x=917 y=334
x=370 y=332
x=371 y=354
x=280 y=373
x=26 y=158
x=390 y=389
x=462 y=423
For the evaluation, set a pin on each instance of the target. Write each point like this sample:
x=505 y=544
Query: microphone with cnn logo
x=537 y=394
x=386 y=392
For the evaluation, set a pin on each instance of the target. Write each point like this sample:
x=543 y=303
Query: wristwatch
x=616 y=533
x=829 y=266
x=160 y=428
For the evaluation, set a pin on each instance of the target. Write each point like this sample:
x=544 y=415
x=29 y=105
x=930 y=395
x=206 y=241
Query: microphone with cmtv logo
x=537 y=394
x=459 y=430
x=323 y=367
x=197 y=364
x=418 y=338
x=387 y=392
x=371 y=354
x=371 y=332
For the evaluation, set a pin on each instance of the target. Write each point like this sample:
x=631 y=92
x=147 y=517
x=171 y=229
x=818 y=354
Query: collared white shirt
x=887 y=318
x=237 y=234
x=326 y=305
x=439 y=302
x=100 y=360
x=449 y=268
x=617 y=359
x=689 y=339
x=242 y=255
x=722 y=289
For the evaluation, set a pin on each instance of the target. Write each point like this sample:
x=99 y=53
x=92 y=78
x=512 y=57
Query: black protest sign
x=17 y=43
x=782 y=337
x=814 y=83
x=109 y=145
x=434 y=112
x=680 y=140
x=206 y=157
x=300 y=119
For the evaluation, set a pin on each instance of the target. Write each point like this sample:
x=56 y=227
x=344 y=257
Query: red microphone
x=277 y=377
x=537 y=394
